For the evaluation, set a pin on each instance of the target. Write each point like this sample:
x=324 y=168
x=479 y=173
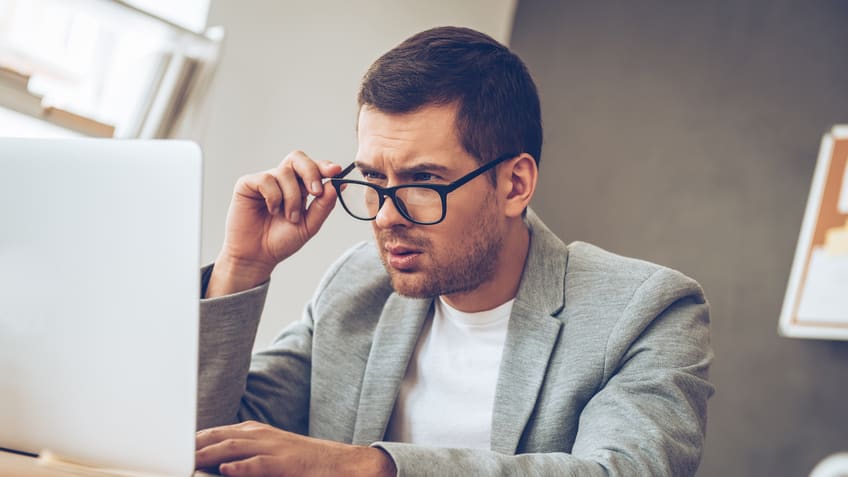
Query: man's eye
x=423 y=177
x=372 y=176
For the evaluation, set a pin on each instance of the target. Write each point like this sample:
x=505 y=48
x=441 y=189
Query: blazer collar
x=394 y=341
x=543 y=278
x=531 y=336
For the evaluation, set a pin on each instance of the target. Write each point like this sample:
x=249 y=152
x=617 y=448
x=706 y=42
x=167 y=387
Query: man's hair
x=497 y=104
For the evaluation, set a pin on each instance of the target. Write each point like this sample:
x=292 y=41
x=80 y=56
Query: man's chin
x=417 y=286
x=411 y=286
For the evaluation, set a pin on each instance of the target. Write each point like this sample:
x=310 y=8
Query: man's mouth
x=402 y=257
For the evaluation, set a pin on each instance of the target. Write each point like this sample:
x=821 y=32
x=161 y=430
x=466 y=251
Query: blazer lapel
x=394 y=341
x=531 y=336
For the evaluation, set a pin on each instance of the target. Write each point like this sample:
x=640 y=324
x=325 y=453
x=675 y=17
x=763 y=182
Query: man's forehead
x=431 y=119
x=424 y=138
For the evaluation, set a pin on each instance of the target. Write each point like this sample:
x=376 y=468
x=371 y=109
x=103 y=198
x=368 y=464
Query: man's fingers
x=262 y=186
x=229 y=450
x=251 y=425
x=287 y=186
x=329 y=169
x=312 y=173
x=320 y=209
x=324 y=201
x=207 y=437
x=307 y=171
x=270 y=190
x=256 y=466
x=243 y=449
x=298 y=176
x=292 y=191
x=240 y=430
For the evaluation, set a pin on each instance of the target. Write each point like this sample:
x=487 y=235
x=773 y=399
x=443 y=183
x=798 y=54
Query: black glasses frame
x=382 y=192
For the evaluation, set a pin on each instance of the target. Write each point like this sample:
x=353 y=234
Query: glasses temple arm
x=344 y=171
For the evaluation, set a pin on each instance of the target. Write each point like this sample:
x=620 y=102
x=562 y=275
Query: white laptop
x=99 y=270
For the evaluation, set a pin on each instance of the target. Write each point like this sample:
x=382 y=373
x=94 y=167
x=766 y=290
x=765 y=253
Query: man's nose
x=388 y=216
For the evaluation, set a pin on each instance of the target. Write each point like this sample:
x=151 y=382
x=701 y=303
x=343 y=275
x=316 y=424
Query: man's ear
x=517 y=183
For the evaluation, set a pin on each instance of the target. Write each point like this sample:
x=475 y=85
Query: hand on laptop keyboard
x=255 y=449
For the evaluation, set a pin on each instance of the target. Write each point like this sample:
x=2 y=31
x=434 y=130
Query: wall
x=686 y=133
x=288 y=80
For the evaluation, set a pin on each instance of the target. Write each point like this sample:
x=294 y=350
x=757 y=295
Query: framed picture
x=816 y=301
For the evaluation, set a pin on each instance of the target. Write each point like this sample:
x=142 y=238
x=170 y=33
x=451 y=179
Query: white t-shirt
x=448 y=393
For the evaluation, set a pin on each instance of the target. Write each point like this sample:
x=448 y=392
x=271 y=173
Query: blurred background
x=680 y=132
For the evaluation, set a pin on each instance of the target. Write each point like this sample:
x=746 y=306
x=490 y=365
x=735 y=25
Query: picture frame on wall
x=816 y=300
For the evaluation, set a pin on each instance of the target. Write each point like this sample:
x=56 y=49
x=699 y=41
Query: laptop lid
x=99 y=260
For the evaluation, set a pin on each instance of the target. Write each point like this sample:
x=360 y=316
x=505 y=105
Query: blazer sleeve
x=647 y=418
x=271 y=386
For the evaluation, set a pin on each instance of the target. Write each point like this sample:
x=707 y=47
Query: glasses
x=422 y=204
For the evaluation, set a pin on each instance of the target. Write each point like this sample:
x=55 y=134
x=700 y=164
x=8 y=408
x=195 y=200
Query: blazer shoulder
x=587 y=258
x=595 y=272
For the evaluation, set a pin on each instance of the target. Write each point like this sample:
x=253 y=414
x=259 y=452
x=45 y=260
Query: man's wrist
x=374 y=462
x=232 y=275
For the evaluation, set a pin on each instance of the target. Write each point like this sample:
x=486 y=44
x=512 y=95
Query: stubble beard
x=470 y=263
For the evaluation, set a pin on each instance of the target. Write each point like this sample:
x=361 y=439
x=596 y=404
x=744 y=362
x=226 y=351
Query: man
x=466 y=339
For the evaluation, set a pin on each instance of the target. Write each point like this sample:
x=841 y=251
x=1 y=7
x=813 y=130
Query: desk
x=20 y=465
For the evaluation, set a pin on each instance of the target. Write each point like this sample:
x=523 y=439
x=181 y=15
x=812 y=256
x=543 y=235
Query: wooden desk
x=20 y=465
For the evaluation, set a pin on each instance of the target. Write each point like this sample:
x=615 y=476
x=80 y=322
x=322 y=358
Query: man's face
x=459 y=253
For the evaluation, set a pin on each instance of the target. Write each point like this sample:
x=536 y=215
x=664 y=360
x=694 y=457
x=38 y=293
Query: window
x=105 y=67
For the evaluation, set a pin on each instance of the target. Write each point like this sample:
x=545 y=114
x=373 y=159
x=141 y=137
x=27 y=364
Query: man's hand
x=254 y=449
x=268 y=221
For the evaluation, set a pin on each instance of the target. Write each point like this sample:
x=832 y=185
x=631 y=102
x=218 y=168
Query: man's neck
x=503 y=285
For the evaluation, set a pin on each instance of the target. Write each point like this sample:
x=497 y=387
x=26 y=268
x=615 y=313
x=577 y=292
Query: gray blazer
x=604 y=370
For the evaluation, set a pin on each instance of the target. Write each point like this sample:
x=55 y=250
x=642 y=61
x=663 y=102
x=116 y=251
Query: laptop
x=99 y=297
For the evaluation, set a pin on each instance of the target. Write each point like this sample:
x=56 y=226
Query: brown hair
x=498 y=107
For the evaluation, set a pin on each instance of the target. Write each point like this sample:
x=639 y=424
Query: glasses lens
x=361 y=201
x=421 y=204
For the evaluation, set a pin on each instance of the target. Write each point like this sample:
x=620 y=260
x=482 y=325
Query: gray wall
x=686 y=133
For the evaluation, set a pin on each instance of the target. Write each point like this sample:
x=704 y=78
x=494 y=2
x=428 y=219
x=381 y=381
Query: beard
x=470 y=260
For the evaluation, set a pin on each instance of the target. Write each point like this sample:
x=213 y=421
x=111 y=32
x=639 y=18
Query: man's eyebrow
x=409 y=170
x=424 y=167
x=362 y=166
